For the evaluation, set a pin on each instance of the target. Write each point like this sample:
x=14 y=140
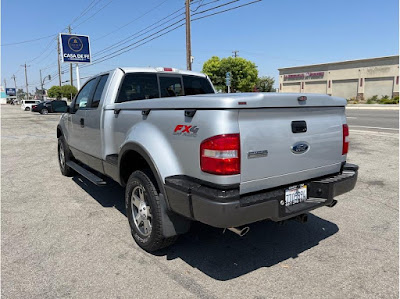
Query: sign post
x=228 y=81
x=75 y=49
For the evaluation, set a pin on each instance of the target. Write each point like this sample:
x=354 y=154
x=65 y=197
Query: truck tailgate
x=269 y=142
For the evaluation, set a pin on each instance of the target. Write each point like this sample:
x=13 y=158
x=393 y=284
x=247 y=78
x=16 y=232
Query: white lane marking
x=374 y=133
x=380 y=128
x=352 y=117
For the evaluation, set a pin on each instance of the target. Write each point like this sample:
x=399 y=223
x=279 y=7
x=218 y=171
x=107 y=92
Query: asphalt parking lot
x=64 y=237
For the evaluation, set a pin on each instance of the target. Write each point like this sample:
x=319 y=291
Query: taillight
x=221 y=154
x=345 y=148
x=33 y=107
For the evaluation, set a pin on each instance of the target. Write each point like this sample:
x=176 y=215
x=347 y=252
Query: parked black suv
x=50 y=106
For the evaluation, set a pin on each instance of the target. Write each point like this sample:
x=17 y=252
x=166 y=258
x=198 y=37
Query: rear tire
x=64 y=155
x=27 y=109
x=44 y=111
x=143 y=209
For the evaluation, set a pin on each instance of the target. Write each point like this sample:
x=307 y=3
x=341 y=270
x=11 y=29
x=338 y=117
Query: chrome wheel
x=141 y=212
x=61 y=155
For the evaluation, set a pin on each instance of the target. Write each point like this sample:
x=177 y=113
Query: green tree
x=265 y=84
x=244 y=73
x=69 y=91
x=54 y=92
x=21 y=94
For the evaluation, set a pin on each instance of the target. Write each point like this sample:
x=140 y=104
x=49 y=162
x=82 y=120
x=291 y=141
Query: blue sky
x=272 y=34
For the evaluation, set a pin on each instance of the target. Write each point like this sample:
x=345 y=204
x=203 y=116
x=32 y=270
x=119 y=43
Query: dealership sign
x=303 y=76
x=75 y=48
x=11 y=92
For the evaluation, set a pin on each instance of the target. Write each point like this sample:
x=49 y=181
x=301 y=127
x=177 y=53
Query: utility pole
x=41 y=84
x=235 y=54
x=188 y=42
x=26 y=81
x=70 y=65
x=5 y=84
x=58 y=60
x=15 y=85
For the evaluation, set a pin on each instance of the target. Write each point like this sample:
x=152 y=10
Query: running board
x=86 y=174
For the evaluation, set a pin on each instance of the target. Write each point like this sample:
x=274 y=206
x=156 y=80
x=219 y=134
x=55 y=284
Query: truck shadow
x=225 y=256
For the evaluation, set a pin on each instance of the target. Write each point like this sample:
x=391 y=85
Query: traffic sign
x=228 y=79
x=75 y=48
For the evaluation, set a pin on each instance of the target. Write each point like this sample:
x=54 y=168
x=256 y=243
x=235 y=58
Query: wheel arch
x=134 y=157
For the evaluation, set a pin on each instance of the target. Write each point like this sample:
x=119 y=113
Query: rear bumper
x=225 y=207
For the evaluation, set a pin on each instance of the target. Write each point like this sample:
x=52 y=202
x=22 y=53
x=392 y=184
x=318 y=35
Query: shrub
x=373 y=100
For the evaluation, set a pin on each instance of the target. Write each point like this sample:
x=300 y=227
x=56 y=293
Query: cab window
x=196 y=85
x=99 y=91
x=138 y=86
x=171 y=86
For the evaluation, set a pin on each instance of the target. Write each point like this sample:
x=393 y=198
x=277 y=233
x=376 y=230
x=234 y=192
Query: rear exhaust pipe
x=239 y=231
x=302 y=218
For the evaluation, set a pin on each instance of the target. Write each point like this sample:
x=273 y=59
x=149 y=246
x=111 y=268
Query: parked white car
x=27 y=104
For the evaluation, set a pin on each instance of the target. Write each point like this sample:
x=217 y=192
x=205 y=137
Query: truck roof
x=168 y=70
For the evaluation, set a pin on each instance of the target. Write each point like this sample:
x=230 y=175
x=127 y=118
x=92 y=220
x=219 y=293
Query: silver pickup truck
x=186 y=154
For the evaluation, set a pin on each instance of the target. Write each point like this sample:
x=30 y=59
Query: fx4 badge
x=184 y=130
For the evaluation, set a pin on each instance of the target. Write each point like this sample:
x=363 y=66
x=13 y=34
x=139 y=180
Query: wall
x=349 y=79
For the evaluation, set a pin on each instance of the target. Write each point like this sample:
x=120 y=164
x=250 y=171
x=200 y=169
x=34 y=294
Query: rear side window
x=138 y=86
x=171 y=87
x=196 y=85
x=30 y=102
x=99 y=91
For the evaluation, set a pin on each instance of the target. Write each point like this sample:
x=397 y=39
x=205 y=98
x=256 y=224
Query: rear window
x=143 y=86
x=196 y=85
x=171 y=86
x=138 y=86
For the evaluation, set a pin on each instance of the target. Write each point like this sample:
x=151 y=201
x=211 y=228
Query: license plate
x=295 y=195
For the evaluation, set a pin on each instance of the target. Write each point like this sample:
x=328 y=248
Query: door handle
x=82 y=122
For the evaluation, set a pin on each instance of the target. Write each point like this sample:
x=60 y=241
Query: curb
x=373 y=107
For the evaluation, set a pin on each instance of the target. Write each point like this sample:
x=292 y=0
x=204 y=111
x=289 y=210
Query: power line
x=138 y=43
x=134 y=20
x=27 y=41
x=104 y=58
x=169 y=26
x=99 y=61
x=222 y=11
x=84 y=21
x=85 y=11
x=135 y=35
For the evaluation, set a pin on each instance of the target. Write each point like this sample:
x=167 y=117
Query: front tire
x=44 y=111
x=64 y=155
x=144 y=213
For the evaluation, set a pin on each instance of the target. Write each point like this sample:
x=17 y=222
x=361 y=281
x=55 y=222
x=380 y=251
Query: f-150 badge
x=184 y=130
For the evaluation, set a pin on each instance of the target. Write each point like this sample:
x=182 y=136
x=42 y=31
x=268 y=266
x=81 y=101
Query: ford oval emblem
x=300 y=147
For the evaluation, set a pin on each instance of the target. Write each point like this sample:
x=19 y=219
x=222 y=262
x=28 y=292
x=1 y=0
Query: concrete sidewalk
x=373 y=106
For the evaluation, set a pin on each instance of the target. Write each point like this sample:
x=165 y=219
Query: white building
x=359 y=79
